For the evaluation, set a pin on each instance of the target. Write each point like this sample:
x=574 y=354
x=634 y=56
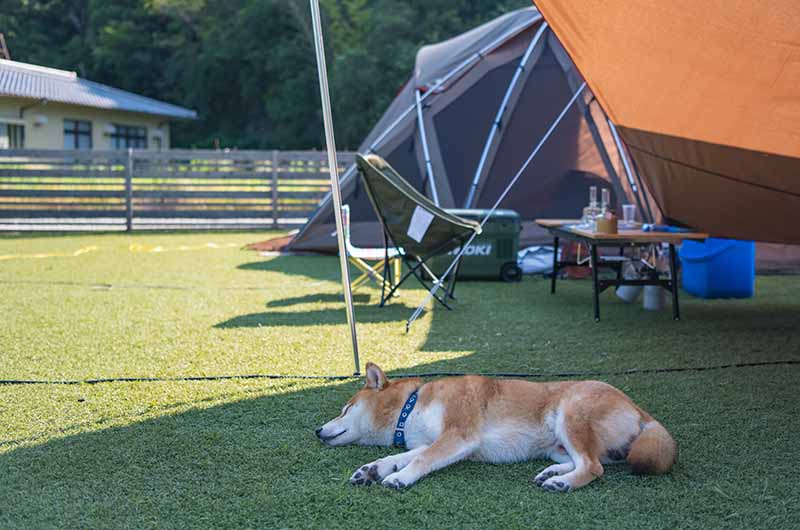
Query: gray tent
x=467 y=119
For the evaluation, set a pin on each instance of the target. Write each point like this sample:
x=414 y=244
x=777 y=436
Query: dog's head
x=368 y=418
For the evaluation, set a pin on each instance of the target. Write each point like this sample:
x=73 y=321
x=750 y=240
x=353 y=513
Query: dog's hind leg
x=552 y=471
x=563 y=465
x=447 y=449
x=583 y=446
x=376 y=471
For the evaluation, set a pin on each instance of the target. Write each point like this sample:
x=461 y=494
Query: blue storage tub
x=719 y=268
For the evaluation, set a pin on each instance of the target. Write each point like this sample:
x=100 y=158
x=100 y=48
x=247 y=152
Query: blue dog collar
x=399 y=431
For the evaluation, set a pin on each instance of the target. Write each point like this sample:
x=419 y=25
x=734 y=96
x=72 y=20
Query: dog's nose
x=318 y=431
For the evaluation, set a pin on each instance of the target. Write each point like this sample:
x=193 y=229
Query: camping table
x=567 y=229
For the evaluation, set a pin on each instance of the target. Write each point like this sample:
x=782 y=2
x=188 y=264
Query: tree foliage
x=246 y=66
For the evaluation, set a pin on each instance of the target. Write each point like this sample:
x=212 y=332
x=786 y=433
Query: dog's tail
x=654 y=451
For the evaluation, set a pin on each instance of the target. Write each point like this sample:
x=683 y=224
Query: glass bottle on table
x=604 y=212
x=590 y=212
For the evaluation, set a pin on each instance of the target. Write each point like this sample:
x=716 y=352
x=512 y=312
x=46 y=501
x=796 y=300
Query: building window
x=125 y=136
x=77 y=134
x=12 y=136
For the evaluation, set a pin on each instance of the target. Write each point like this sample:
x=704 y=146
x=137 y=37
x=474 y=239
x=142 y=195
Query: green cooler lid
x=480 y=213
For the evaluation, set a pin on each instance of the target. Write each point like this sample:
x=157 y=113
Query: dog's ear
x=375 y=377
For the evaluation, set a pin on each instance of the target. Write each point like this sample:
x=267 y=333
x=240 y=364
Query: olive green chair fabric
x=412 y=224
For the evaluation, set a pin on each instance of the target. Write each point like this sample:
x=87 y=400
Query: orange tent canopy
x=706 y=95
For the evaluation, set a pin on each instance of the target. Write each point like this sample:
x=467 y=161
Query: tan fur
x=654 y=451
x=578 y=424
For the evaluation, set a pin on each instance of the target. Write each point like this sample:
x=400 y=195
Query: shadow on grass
x=358 y=298
x=250 y=463
x=319 y=317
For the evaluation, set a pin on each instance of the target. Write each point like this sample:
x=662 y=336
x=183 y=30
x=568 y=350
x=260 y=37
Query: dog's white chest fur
x=424 y=425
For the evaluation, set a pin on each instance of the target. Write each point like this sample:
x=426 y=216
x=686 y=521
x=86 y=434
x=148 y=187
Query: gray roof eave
x=38 y=83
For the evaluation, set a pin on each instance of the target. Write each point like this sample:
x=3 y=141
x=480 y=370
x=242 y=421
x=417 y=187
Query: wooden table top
x=623 y=236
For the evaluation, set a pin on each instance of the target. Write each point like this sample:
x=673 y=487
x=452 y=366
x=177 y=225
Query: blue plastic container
x=719 y=268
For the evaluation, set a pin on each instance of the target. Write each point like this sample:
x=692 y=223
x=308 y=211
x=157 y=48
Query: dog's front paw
x=394 y=482
x=543 y=476
x=372 y=472
x=399 y=480
x=363 y=476
x=556 y=484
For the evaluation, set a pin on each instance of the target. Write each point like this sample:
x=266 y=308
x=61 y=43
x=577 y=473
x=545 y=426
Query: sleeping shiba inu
x=580 y=425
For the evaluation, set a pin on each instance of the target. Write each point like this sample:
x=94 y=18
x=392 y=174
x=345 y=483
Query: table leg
x=555 y=266
x=595 y=284
x=673 y=272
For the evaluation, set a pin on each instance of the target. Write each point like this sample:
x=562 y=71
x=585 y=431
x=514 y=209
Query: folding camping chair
x=379 y=257
x=414 y=226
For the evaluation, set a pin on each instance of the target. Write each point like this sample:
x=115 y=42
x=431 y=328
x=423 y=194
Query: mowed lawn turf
x=242 y=452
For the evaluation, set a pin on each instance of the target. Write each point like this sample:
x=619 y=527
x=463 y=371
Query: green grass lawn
x=242 y=453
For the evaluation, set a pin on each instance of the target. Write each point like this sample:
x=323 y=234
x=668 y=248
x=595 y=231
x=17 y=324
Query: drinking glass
x=629 y=214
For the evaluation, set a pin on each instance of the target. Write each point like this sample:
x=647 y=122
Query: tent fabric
x=458 y=116
x=706 y=97
x=436 y=60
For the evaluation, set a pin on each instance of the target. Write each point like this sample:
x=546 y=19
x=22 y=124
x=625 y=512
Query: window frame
x=80 y=129
x=129 y=136
x=14 y=134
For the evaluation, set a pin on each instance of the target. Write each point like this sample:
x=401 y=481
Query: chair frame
x=417 y=264
x=376 y=272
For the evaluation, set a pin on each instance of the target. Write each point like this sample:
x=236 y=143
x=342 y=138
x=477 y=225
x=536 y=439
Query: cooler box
x=492 y=255
x=719 y=268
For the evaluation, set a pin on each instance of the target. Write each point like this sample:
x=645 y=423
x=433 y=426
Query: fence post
x=129 y=192
x=275 y=212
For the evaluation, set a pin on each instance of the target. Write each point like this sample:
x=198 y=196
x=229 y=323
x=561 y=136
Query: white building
x=45 y=108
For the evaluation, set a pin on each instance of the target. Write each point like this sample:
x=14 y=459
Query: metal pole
x=274 y=189
x=129 y=192
x=500 y=112
x=438 y=283
x=624 y=158
x=333 y=166
x=426 y=153
x=640 y=197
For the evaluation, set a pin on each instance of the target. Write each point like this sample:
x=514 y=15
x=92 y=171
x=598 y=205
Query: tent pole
x=438 y=283
x=333 y=166
x=466 y=63
x=426 y=153
x=604 y=156
x=469 y=61
x=628 y=170
x=473 y=189
x=624 y=158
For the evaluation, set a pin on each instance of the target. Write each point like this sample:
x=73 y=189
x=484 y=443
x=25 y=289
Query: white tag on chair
x=421 y=219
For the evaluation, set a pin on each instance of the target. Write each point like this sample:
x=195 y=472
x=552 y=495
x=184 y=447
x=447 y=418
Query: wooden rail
x=90 y=190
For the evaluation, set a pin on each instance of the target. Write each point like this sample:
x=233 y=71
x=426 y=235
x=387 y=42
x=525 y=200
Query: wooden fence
x=43 y=189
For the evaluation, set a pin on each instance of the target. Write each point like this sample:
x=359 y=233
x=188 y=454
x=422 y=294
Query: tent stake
x=535 y=152
x=333 y=166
